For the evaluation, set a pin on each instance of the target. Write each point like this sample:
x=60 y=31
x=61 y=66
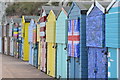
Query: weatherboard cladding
x=61 y=60
x=43 y=25
x=11 y=29
x=30 y=39
x=112 y=26
x=34 y=33
x=61 y=28
x=61 y=40
x=51 y=25
x=43 y=51
x=113 y=62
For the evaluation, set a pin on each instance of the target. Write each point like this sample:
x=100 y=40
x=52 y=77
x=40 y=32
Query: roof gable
x=98 y=6
x=50 y=14
x=65 y=10
x=73 y=4
x=83 y=6
x=47 y=9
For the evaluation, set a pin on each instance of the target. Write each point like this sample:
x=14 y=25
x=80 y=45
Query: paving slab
x=15 y=68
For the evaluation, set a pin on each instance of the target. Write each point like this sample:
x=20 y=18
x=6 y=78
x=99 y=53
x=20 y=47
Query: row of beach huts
x=80 y=41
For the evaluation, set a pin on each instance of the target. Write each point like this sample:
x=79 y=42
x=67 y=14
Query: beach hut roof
x=65 y=9
x=101 y=5
x=48 y=8
x=28 y=18
x=114 y=3
x=16 y=20
x=83 y=5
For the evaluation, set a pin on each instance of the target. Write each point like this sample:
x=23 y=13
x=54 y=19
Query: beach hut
x=15 y=38
x=11 y=37
x=113 y=39
x=95 y=40
x=50 y=39
x=6 y=39
x=77 y=55
x=61 y=40
x=30 y=40
x=20 y=41
x=25 y=27
x=39 y=43
x=3 y=36
x=35 y=45
x=42 y=53
x=44 y=14
x=6 y=36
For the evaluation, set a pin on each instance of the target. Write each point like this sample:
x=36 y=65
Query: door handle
x=52 y=46
x=68 y=59
x=95 y=70
x=65 y=48
x=77 y=61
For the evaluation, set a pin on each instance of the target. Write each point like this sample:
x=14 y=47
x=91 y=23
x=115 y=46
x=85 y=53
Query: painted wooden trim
x=49 y=14
x=111 y=4
x=117 y=63
x=64 y=11
x=71 y=8
x=115 y=13
x=51 y=11
x=90 y=9
x=98 y=5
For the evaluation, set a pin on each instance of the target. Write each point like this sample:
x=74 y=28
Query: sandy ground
x=15 y=68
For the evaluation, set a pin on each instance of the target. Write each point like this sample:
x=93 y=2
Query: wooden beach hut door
x=61 y=60
x=11 y=46
x=97 y=63
x=43 y=56
x=113 y=58
x=74 y=48
x=51 y=59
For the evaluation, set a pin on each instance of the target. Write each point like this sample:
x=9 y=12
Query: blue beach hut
x=113 y=38
x=95 y=40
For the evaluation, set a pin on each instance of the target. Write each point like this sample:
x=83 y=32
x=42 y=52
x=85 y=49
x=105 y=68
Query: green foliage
x=55 y=3
x=24 y=8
